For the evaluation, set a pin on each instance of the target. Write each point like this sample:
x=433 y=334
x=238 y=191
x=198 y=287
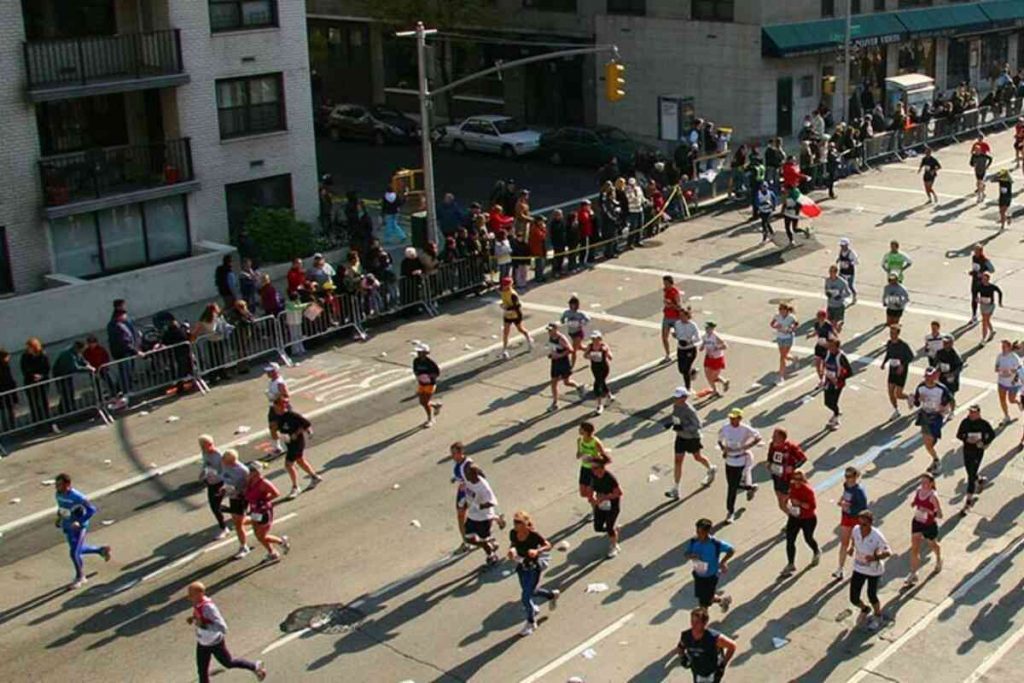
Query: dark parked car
x=590 y=147
x=376 y=123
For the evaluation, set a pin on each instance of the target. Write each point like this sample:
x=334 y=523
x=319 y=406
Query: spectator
x=558 y=231
x=573 y=240
x=608 y=218
x=390 y=205
x=351 y=211
x=585 y=224
x=503 y=254
x=656 y=201
x=522 y=214
x=296 y=276
x=470 y=218
x=321 y=271
x=774 y=157
x=510 y=198
x=450 y=253
x=35 y=369
x=8 y=393
x=226 y=280
x=69 y=362
x=214 y=330
x=249 y=283
x=538 y=246
x=635 y=202
x=411 y=271
x=520 y=260
x=173 y=337
x=351 y=278
x=450 y=214
x=98 y=357
x=430 y=258
x=241 y=319
x=270 y=298
x=497 y=220
x=379 y=264
x=293 y=312
x=124 y=345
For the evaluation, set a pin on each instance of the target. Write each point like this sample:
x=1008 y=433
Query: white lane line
x=907 y=190
x=789 y=385
x=14 y=524
x=942 y=171
x=769 y=289
x=590 y=642
x=994 y=658
x=870 y=668
x=284 y=640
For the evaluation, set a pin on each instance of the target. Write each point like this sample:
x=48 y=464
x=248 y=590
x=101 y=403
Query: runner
x=976 y=434
x=837 y=290
x=589 y=449
x=1005 y=182
x=1008 y=369
x=714 y=357
x=981 y=159
x=766 y=202
x=687 y=341
x=895 y=298
x=949 y=365
x=277 y=388
x=512 y=314
x=933 y=342
x=600 y=355
x=260 y=493
x=482 y=513
x=837 y=370
x=236 y=476
x=825 y=331
x=687 y=424
x=791 y=214
x=1018 y=142
x=73 y=514
x=210 y=476
x=736 y=439
x=706 y=553
x=672 y=303
x=784 y=458
x=785 y=324
x=530 y=551
x=293 y=429
x=927 y=511
x=986 y=293
x=211 y=632
x=934 y=400
x=848 y=261
x=426 y=372
x=853 y=501
x=575 y=322
x=930 y=165
x=704 y=651
x=462 y=461
x=869 y=551
x=895 y=261
x=559 y=350
x=802 y=507
x=898 y=356
x=980 y=263
x=605 y=497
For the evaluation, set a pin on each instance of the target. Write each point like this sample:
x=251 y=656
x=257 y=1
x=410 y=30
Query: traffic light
x=614 y=81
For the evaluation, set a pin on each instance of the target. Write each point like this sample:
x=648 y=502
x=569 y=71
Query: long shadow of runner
x=361 y=454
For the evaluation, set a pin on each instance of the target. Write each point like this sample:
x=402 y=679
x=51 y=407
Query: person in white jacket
x=635 y=201
x=211 y=634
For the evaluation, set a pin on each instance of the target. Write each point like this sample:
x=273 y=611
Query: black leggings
x=215 y=494
x=972 y=461
x=795 y=525
x=832 y=394
x=600 y=371
x=734 y=479
x=790 y=224
x=220 y=651
x=684 y=360
x=857 y=584
x=766 y=225
x=974 y=299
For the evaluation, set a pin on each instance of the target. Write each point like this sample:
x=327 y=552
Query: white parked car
x=495 y=134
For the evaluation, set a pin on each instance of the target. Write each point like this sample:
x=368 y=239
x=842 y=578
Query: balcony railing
x=102 y=59
x=108 y=171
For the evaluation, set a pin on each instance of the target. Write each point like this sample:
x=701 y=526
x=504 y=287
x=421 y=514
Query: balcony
x=97 y=65
x=112 y=176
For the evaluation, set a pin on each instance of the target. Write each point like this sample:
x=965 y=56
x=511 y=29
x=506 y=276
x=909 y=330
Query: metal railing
x=243 y=344
x=98 y=59
x=50 y=402
x=107 y=171
x=147 y=374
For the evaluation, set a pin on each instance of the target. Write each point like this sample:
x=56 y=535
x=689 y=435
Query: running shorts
x=848 y=521
x=293 y=453
x=479 y=529
x=820 y=351
x=897 y=379
x=836 y=315
x=264 y=517
x=929 y=531
x=704 y=588
x=688 y=445
x=604 y=520
x=668 y=323
x=987 y=309
x=586 y=477
x=513 y=318
x=784 y=340
x=894 y=313
x=460 y=498
x=561 y=368
x=426 y=389
x=931 y=424
x=577 y=335
x=236 y=506
x=714 y=363
x=780 y=485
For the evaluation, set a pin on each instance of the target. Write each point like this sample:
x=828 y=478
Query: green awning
x=827 y=35
x=944 y=21
x=1004 y=12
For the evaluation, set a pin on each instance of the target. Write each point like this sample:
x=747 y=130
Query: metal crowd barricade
x=245 y=343
x=456 y=277
x=151 y=372
x=51 y=401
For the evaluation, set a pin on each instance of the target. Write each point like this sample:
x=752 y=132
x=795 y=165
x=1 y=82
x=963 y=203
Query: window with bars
x=250 y=105
x=239 y=15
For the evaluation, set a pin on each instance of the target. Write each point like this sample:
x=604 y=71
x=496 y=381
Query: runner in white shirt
x=687 y=336
x=934 y=401
x=277 y=388
x=1008 y=371
x=933 y=342
x=784 y=323
x=714 y=357
x=736 y=439
x=482 y=512
x=575 y=322
x=869 y=550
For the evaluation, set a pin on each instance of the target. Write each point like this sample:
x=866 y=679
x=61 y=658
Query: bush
x=277 y=236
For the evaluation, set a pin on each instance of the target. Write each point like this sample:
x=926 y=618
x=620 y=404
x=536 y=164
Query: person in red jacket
x=791 y=174
x=497 y=220
x=585 y=220
x=784 y=458
x=803 y=517
x=538 y=240
x=296 y=276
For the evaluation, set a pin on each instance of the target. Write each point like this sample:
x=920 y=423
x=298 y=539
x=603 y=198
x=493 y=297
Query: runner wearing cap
x=1005 y=182
x=847 y=261
x=704 y=651
x=512 y=314
x=706 y=552
x=824 y=331
x=895 y=261
x=672 y=303
x=852 y=502
x=986 y=293
x=976 y=434
x=714 y=357
x=687 y=341
x=949 y=364
x=927 y=511
x=1008 y=370
x=980 y=160
x=426 y=372
x=458 y=452
x=784 y=458
x=837 y=369
x=294 y=428
x=736 y=439
x=687 y=423
x=277 y=388
x=600 y=356
x=559 y=350
x=898 y=357
x=930 y=165
x=575 y=322
x=785 y=324
x=869 y=551
x=836 y=293
x=980 y=263
x=933 y=399
x=895 y=298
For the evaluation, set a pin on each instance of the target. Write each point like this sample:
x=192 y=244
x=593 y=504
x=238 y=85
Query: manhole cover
x=330 y=618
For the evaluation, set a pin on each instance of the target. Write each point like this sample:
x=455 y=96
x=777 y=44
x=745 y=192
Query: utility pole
x=846 y=62
x=421 y=34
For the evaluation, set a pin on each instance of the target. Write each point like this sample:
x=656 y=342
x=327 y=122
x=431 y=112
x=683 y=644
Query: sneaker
x=502 y=522
x=527 y=630
x=55 y=429
x=553 y=407
x=935 y=467
x=938 y=567
x=751 y=490
x=788 y=570
x=294 y=493
x=286 y=546
x=895 y=414
x=428 y=424
x=613 y=552
x=600 y=409
x=973 y=320
x=838 y=575
x=816 y=560
x=666 y=359
x=1006 y=420
x=581 y=389
x=317 y=479
x=463 y=548
x=105 y=553
x=553 y=600
x=504 y=355
x=709 y=476
x=78 y=583
x=725 y=602
x=271 y=557
x=982 y=483
x=672 y=494
x=611 y=397
x=242 y=552
x=725 y=385
x=493 y=559
x=730 y=518
x=222 y=534
x=874 y=623
x=261 y=671
x=911 y=579
x=437 y=408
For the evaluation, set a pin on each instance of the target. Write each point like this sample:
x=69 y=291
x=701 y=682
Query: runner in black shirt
x=426 y=372
x=1005 y=182
x=898 y=356
x=976 y=434
x=931 y=168
x=986 y=294
x=605 y=496
x=949 y=364
x=980 y=263
x=705 y=652
x=529 y=550
x=294 y=428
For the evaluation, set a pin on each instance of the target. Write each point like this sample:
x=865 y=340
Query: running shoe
x=581 y=389
x=529 y=344
x=895 y=414
x=611 y=397
x=294 y=493
x=1006 y=420
x=553 y=601
x=527 y=630
x=982 y=483
x=317 y=479
x=242 y=552
x=271 y=557
x=788 y=570
x=938 y=567
x=105 y=553
x=725 y=385
x=672 y=494
x=502 y=523
x=730 y=518
x=428 y=424
x=222 y=534
x=838 y=575
x=261 y=671
x=600 y=409
x=751 y=490
x=874 y=623
x=666 y=359
x=78 y=583
x=493 y=559
x=973 y=320
x=463 y=548
x=553 y=407
x=286 y=546
x=816 y=560
x=911 y=579
x=725 y=602
x=613 y=552
x=935 y=467
x=437 y=408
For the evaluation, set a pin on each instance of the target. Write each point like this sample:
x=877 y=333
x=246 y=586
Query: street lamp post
x=421 y=34
x=846 y=62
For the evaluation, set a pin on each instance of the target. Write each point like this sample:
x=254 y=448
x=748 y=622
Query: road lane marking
x=907 y=190
x=994 y=658
x=590 y=642
x=789 y=385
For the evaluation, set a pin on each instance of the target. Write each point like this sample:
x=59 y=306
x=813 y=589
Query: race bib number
x=733 y=445
x=892 y=301
x=895 y=363
x=423 y=379
x=922 y=515
x=985 y=299
x=794 y=511
x=776 y=469
x=676 y=421
x=700 y=567
x=822 y=341
x=573 y=325
x=604 y=505
x=698 y=678
x=974 y=437
x=975 y=267
x=831 y=374
x=944 y=367
x=597 y=356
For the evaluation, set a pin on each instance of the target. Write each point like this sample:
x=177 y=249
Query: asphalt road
x=371 y=591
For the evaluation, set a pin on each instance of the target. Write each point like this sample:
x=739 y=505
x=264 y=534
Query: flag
x=807 y=205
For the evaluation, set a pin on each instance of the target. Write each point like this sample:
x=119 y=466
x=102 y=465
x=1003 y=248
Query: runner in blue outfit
x=73 y=514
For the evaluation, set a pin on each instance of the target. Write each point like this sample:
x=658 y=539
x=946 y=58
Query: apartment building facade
x=136 y=135
x=754 y=65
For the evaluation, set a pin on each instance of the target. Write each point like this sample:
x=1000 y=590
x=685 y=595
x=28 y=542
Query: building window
x=958 y=62
x=917 y=56
x=246 y=106
x=122 y=238
x=273 y=192
x=807 y=86
x=713 y=10
x=909 y=4
x=551 y=5
x=239 y=15
x=879 y=5
x=6 y=280
x=855 y=6
x=828 y=8
x=635 y=7
x=995 y=54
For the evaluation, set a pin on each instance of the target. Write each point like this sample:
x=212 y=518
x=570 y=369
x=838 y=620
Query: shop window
x=246 y=106
x=713 y=10
x=855 y=7
x=917 y=56
x=273 y=192
x=239 y=15
x=6 y=279
x=995 y=53
x=958 y=57
x=806 y=86
x=634 y=7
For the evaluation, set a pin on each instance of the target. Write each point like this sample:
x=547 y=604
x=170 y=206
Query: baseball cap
x=711 y=323
x=422 y=348
x=506 y=280
x=844 y=241
x=681 y=392
x=736 y=412
x=894 y=276
x=317 y=256
x=947 y=338
x=931 y=371
x=974 y=408
x=553 y=325
x=596 y=334
x=271 y=367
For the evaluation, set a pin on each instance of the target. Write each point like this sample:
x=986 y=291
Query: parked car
x=376 y=123
x=494 y=134
x=590 y=147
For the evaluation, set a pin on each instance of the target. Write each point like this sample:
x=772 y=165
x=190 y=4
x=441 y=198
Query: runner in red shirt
x=803 y=517
x=784 y=458
x=672 y=299
x=1018 y=142
x=927 y=511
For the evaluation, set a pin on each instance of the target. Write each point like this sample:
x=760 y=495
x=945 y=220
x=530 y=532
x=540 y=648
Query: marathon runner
x=211 y=632
x=848 y=261
x=976 y=434
x=825 y=331
x=934 y=401
x=575 y=322
x=589 y=449
x=1005 y=182
x=766 y=202
x=736 y=439
x=426 y=372
x=512 y=314
x=802 y=507
x=714 y=357
x=869 y=551
x=73 y=514
x=898 y=357
x=559 y=350
x=687 y=423
x=1008 y=371
x=706 y=553
x=704 y=651
x=933 y=342
x=1018 y=142
x=930 y=165
x=785 y=324
x=687 y=341
x=895 y=298
x=482 y=513
x=600 y=356
x=980 y=263
x=672 y=304
x=837 y=290
x=530 y=551
x=210 y=476
x=895 y=261
x=784 y=458
x=927 y=511
x=293 y=428
x=837 y=369
x=260 y=493
x=986 y=294
x=980 y=160
x=605 y=497
x=853 y=501
x=458 y=452
x=949 y=364
x=236 y=476
x=276 y=388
